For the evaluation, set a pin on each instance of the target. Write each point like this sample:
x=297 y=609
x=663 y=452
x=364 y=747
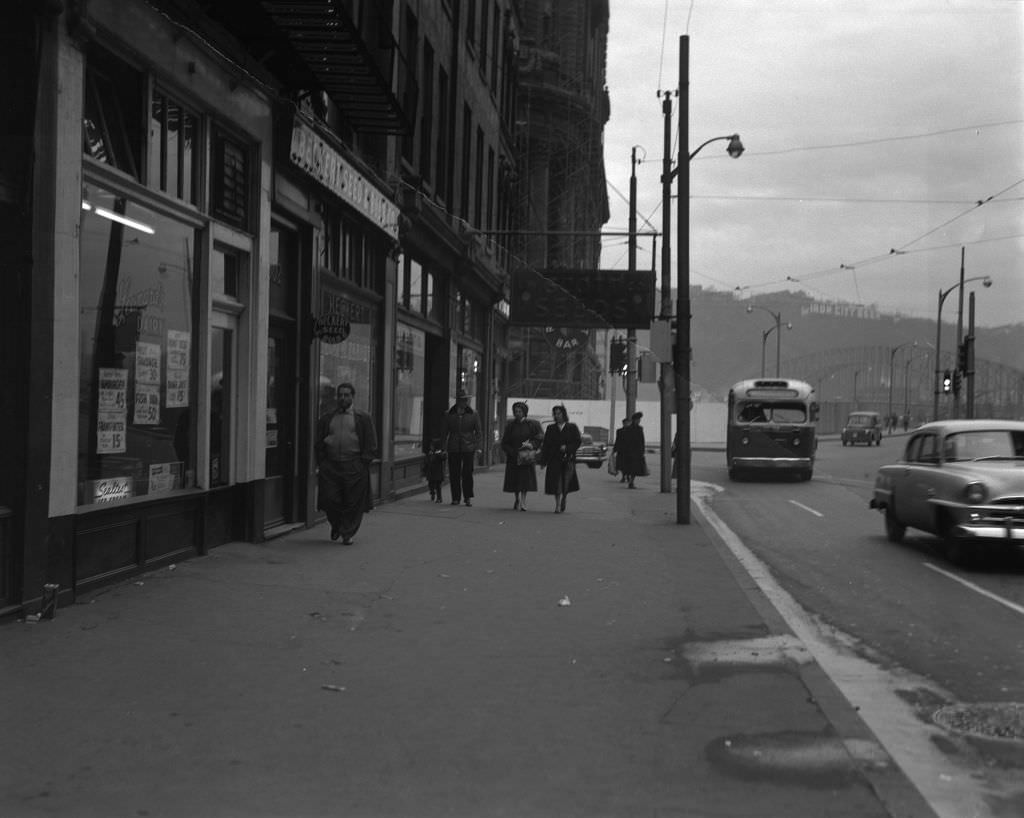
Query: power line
x=879 y=141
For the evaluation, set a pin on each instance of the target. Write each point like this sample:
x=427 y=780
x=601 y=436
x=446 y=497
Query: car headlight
x=745 y=441
x=975 y=493
x=796 y=441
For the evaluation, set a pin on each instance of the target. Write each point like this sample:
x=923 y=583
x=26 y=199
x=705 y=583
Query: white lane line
x=1013 y=606
x=871 y=689
x=807 y=508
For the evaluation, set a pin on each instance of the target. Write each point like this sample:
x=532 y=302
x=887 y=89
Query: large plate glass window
x=137 y=343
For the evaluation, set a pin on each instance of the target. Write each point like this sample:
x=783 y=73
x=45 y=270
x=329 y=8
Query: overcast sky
x=869 y=127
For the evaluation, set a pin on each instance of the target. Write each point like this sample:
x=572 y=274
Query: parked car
x=961 y=480
x=863 y=427
x=591 y=453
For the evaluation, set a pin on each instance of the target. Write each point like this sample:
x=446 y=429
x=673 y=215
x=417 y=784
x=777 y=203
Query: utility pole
x=631 y=333
x=969 y=359
x=667 y=380
x=683 y=451
x=959 y=330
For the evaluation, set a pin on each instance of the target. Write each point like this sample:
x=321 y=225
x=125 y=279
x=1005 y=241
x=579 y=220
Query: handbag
x=526 y=457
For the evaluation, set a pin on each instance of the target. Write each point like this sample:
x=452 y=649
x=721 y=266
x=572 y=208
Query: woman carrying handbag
x=520 y=442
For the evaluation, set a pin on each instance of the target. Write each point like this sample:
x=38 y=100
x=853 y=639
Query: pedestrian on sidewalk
x=434 y=458
x=345 y=446
x=558 y=456
x=520 y=442
x=630 y=450
x=462 y=442
x=613 y=465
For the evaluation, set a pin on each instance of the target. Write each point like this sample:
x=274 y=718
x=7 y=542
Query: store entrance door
x=279 y=486
x=281 y=497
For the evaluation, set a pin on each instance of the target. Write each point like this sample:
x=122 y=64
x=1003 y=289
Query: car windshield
x=762 y=412
x=859 y=420
x=992 y=444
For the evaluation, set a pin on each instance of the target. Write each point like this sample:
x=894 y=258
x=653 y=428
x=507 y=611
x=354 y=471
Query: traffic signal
x=958 y=379
x=947 y=381
x=961 y=357
x=617 y=356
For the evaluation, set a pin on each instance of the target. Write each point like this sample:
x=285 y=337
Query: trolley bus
x=771 y=427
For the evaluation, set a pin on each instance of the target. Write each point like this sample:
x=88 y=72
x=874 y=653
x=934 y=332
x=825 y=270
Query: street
x=931 y=634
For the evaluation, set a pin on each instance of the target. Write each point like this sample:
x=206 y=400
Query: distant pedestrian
x=906 y=422
x=462 y=442
x=630 y=449
x=520 y=442
x=433 y=468
x=558 y=456
x=345 y=446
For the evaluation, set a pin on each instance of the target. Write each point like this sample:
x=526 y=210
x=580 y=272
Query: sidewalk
x=454 y=661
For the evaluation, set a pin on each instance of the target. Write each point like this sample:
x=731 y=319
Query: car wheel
x=894 y=529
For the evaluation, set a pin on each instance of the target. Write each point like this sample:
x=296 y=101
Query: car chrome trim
x=772 y=462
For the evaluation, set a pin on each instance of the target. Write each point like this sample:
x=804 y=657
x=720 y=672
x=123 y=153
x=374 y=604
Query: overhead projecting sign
x=582 y=298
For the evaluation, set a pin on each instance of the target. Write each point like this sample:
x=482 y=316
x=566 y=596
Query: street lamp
x=892 y=359
x=684 y=452
x=778 y=338
x=986 y=282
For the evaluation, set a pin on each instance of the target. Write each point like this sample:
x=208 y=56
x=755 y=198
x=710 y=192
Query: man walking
x=462 y=442
x=346 y=444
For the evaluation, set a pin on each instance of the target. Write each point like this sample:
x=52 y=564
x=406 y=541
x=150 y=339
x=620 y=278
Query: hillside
x=727 y=340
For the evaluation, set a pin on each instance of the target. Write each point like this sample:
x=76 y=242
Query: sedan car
x=961 y=480
x=591 y=453
x=863 y=427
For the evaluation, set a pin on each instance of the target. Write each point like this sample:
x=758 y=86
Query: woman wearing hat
x=520 y=442
x=558 y=455
x=462 y=442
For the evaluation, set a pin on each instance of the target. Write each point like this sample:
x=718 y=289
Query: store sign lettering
x=337 y=314
x=317 y=158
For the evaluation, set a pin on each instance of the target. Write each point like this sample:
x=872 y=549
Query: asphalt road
x=931 y=634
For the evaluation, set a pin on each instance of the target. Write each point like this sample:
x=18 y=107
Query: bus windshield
x=771 y=412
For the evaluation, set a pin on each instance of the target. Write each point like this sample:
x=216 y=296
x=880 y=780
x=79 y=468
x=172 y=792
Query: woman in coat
x=630 y=450
x=522 y=434
x=558 y=455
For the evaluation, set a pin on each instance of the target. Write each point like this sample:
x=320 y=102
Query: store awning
x=362 y=82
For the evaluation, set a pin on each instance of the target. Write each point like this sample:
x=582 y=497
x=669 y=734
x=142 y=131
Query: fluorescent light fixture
x=86 y=205
x=117 y=217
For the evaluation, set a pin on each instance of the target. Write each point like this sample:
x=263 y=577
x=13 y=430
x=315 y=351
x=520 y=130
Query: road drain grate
x=999 y=720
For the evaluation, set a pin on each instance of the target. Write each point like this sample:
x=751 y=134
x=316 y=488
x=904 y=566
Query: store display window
x=410 y=384
x=137 y=351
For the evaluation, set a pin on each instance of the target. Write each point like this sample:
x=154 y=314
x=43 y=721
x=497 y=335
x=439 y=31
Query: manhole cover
x=1002 y=720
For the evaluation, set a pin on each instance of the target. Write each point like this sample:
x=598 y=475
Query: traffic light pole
x=631 y=334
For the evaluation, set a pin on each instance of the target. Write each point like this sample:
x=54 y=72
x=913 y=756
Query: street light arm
x=734 y=150
x=986 y=281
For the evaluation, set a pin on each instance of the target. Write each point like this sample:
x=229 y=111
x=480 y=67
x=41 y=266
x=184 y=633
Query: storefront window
x=350 y=361
x=136 y=428
x=470 y=374
x=409 y=391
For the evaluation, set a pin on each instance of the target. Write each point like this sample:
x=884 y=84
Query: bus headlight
x=975 y=493
x=745 y=441
x=796 y=442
